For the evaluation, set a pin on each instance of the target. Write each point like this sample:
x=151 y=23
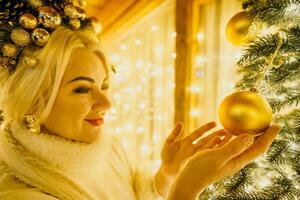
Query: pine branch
x=240 y=180
x=295 y=162
x=284 y=73
x=286 y=99
x=240 y=195
x=278 y=153
x=265 y=46
x=282 y=188
x=273 y=12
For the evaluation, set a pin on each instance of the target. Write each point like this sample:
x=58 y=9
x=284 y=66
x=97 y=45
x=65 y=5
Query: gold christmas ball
x=75 y=24
x=4 y=62
x=10 y=50
x=29 y=61
x=237 y=29
x=40 y=36
x=49 y=17
x=35 y=3
x=20 y=37
x=74 y=12
x=28 y=21
x=245 y=112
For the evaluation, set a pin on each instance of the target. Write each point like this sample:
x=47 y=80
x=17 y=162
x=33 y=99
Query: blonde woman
x=54 y=100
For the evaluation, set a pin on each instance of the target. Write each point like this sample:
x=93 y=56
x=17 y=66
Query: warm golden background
x=173 y=64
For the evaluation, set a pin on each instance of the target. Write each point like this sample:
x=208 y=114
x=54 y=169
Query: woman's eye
x=82 y=90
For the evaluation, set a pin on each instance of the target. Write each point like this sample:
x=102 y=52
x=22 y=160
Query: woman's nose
x=102 y=101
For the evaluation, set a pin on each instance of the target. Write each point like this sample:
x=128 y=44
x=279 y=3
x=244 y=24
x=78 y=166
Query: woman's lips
x=95 y=122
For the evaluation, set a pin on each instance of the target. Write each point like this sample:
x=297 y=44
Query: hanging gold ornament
x=49 y=17
x=75 y=24
x=40 y=36
x=35 y=3
x=20 y=37
x=245 y=112
x=10 y=50
x=237 y=29
x=28 y=21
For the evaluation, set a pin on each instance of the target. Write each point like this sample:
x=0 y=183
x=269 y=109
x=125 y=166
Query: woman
x=52 y=147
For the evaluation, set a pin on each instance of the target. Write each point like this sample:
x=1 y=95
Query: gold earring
x=31 y=124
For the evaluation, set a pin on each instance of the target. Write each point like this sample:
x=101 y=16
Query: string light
x=200 y=36
x=174 y=55
x=133 y=109
x=195 y=113
x=154 y=28
x=173 y=34
x=123 y=47
x=137 y=42
x=195 y=89
x=200 y=60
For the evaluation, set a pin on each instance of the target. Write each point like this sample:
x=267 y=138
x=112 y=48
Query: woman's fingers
x=211 y=139
x=226 y=139
x=176 y=132
x=234 y=148
x=200 y=131
x=260 y=146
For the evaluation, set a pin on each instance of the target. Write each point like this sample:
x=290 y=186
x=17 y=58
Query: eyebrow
x=82 y=78
x=85 y=79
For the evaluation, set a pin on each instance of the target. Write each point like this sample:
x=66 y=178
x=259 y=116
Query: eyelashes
x=82 y=90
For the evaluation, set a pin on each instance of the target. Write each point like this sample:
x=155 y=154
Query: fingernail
x=248 y=140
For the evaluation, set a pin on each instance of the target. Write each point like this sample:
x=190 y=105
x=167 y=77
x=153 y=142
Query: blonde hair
x=33 y=90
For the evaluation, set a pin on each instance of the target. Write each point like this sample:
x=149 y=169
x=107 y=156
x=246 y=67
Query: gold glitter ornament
x=20 y=37
x=3 y=62
x=75 y=24
x=28 y=21
x=35 y=3
x=40 y=36
x=31 y=124
x=245 y=112
x=10 y=50
x=238 y=28
x=29 y=61
x=74 y=12
x=49 y=17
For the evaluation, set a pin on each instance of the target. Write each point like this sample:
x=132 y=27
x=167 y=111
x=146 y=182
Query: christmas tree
x=271 y=64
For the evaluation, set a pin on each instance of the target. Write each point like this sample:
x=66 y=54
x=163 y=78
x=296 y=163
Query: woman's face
x=81 y=101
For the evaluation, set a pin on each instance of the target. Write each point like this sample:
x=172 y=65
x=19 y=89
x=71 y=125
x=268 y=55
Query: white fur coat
x=69 y=170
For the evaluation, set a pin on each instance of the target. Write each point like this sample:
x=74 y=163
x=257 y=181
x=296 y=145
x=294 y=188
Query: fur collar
x=67 y=155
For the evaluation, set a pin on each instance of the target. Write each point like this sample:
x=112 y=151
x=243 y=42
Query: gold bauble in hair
x=74 y=12
x=49 y=17
x=245 y=112
x=28 y=21
x=237 y=29
x=35 y=3
x=20 y=37
x=3 y=62
x=82 y=3
x=28 y=60
x=75 y=24
x=40 y=36
x=10 y=50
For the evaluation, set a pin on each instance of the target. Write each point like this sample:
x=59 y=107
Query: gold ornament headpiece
x=25 y=23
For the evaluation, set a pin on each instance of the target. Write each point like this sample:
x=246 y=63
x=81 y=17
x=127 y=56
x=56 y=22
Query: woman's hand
x=211 y=165
x=176 y=150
